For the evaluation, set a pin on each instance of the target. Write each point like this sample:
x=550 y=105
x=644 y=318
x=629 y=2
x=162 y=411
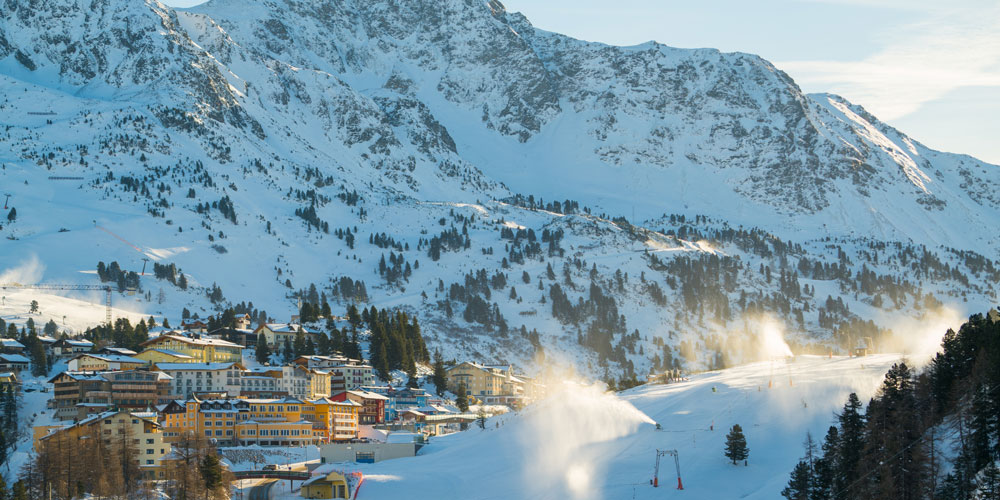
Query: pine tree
x=287 y=353
x=12 y=215
x=823 y=468
x=440 y=375
x=462 y=398
x=263 y=352
x=300 y=343
x=211 y=472
x=736 y=445
x=851 y=443
x=799 y=485
x=39 y=364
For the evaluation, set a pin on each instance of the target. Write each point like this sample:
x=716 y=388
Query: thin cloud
x=920 y=62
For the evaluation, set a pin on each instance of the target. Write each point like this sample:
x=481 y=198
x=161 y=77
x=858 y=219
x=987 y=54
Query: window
x=218 y=433
x=149 y=441
x=208 y=433
x=149 y=451
x=149 y=462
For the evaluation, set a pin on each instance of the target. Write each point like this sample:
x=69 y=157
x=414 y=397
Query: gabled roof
x=119 y=350
x=13 y=358
x=284 y=327
x=111 y=358
x=11 y=343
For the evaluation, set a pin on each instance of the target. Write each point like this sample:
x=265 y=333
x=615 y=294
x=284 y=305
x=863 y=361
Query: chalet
x=11 y=346
x=276 y=334
x=77 y=395
x=9 y=379
x=13 y=363
x=244 y=337
x=70 y=347
x=194 y=326
x=121 y=351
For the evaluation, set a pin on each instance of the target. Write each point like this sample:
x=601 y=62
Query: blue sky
x=930 y=68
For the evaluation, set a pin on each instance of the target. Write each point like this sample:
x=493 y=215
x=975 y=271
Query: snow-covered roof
x=11 y=344
x=169 y=352
x=402 y=437
x=368 y=394
x=120 y=350
x=85 y=343
x=111 y=358
x=193 y=366
x=191 y=340
x=286 y=327
x=13 y=358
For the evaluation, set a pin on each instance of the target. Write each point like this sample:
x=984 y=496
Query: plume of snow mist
x=772 y=339
x=562 y=437
x=28 y=271
x=919 y=338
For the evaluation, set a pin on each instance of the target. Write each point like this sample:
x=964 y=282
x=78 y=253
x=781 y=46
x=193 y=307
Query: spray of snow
x=562 y=437
x=919 y=338
x=772 y=339
x=29 y=270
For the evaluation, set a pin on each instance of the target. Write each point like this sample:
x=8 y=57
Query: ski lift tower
x=677 y=463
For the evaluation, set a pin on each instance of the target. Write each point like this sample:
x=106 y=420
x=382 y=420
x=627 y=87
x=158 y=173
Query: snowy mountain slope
x=583 y=444
x=413 y=118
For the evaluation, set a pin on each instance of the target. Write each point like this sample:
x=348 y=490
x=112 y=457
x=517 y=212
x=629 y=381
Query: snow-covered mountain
x=308 y=121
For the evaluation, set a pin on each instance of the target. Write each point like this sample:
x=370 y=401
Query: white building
x=350 y=376
x=192 y=378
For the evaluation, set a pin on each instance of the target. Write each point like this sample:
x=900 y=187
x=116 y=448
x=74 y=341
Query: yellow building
x=165 y=356
x=333 y=484
x=141 y=428
x=484 y=381
x=338 y=419
x=103 y=363
x=268 y=422
x=319 y=382
x=203 y=350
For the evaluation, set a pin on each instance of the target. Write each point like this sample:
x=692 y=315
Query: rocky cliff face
x=313 y=123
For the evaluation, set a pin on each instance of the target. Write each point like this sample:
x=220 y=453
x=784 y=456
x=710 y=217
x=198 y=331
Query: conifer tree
x=851 y=442
x=211 y=472
x=263 y=352
x=799 y=485
x=39 y=364
x=462 y=398
x=440 y=375
x=736 y=444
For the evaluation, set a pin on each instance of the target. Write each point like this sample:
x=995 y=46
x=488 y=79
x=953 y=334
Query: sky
x=927 y=67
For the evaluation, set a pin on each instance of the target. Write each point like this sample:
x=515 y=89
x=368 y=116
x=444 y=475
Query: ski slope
x=583 y=443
